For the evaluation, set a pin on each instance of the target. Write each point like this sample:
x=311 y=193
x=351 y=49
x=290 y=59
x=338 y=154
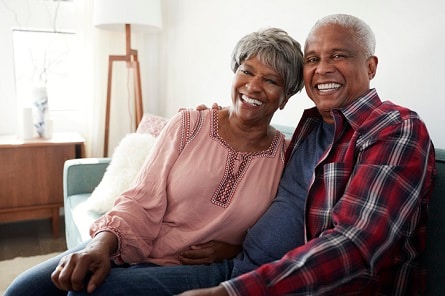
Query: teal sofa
x=81 y=176
x=436 y=231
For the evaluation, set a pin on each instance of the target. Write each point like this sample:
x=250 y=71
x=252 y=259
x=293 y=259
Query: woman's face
x=257 y=91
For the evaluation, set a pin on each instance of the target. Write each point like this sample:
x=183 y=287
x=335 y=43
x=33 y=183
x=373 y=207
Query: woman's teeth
x=252 y=101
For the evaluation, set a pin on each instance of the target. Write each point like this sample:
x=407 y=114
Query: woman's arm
x=137 y=214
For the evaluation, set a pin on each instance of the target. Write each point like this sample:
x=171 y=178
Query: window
x=46 y=57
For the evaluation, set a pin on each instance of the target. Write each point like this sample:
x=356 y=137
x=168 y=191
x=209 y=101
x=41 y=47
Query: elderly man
x=368 y=191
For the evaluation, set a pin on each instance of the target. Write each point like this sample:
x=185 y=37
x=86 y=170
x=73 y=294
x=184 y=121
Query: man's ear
x=372 y=66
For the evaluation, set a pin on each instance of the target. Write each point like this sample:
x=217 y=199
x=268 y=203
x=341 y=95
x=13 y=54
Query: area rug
x=10 y=269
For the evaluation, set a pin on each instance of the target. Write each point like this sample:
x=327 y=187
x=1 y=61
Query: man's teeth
x=252 y=101
x=328 y=86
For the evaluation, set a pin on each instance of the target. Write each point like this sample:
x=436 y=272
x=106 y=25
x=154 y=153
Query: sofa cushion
x=151 y=124
x=127 y=160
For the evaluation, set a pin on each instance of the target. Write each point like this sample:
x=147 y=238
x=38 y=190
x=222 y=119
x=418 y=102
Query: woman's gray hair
x=276 y=49
x=361 y=31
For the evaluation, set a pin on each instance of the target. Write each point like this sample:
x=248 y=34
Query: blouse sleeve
x=137 y=214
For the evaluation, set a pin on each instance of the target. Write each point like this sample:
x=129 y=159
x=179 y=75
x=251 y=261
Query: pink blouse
x=193 y=188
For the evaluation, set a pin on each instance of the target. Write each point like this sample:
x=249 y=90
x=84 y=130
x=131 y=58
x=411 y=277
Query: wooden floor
x=30 y=238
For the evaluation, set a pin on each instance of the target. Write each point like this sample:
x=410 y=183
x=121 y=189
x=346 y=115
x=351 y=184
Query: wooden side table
x=31 y=173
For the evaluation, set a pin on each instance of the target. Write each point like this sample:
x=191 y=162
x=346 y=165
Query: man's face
x=336 y=71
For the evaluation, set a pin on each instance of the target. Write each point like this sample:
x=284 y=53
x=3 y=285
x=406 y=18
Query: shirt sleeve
x=137 y=214
x=379 y=206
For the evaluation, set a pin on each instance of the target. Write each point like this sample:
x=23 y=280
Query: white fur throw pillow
x=126 y=161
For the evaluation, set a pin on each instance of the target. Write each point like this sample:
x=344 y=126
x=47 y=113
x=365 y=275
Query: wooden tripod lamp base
x=144 y=16
x=131 y=58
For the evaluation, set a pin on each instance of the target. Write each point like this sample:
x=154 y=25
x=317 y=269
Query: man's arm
x=369 y=220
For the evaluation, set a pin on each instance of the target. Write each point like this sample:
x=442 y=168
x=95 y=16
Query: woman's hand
x=93 y=261
x=206 y=253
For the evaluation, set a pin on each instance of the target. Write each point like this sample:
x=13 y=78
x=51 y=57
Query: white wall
x=188 y=63
x=199 y=35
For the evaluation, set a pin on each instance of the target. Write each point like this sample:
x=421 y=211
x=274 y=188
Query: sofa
x=81 y=178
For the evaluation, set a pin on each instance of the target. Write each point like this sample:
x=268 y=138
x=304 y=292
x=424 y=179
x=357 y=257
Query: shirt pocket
x=335 y=178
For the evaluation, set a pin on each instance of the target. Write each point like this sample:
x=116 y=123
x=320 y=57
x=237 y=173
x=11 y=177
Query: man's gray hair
x=275 y=48
x=361 y=31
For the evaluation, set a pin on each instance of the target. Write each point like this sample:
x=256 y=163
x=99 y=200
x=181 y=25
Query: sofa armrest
x=82 y=175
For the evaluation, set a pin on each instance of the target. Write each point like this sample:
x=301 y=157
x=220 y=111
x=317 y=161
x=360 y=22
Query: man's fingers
x=201 y=107
x=216 y=106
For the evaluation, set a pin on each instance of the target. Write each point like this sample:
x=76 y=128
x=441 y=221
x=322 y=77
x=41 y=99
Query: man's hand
x=204 y=107
x=94 y=261
x=206 y=253
x=215 y=291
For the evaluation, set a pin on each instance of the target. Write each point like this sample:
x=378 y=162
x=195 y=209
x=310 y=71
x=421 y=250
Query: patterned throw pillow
x=151 y=124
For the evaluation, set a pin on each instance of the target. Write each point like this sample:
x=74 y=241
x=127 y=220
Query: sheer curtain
x=97 y=46
x=87 y=79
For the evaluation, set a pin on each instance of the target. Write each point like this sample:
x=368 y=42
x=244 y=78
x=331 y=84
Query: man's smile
x=327 y=86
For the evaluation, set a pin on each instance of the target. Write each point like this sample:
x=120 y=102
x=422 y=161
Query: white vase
x=40 y=109
x=27 y=124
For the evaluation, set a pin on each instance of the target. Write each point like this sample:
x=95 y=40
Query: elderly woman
x=211 y=175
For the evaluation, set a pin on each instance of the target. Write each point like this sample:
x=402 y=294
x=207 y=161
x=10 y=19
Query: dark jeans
x=141 y=279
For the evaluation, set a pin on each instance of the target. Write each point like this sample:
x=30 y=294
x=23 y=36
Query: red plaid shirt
x=365 y=211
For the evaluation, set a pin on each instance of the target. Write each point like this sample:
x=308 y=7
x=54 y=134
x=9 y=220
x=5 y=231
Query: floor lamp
x=140 y=15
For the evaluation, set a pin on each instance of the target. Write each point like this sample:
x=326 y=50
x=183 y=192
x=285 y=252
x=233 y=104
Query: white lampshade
x=142 y=15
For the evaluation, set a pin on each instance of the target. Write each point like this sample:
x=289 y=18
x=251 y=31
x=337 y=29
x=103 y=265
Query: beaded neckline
x=214 y=126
